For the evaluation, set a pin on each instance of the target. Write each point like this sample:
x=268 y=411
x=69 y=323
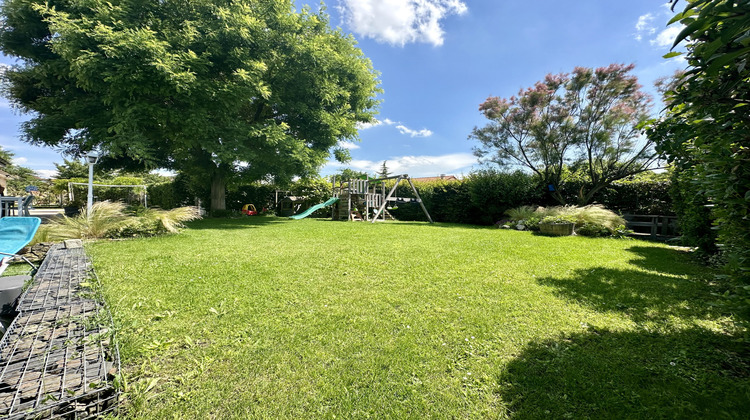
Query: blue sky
x=439 y=59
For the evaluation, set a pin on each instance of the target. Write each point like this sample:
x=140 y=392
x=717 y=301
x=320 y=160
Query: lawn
x=272 y=318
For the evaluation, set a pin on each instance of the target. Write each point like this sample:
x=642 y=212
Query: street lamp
x=91 y=158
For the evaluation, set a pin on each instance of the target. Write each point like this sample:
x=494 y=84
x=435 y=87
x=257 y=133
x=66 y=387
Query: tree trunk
x=558 y=197
x=218 y=191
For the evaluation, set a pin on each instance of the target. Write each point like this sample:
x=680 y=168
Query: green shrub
x=592 y=220
x=225 y=214
x=532 y=222
x=694 y=216
x=554 y=220
x=493 y=193
x=593 y=230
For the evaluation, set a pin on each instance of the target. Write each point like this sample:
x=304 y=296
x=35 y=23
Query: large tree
x=589 y=119
x=215 y=87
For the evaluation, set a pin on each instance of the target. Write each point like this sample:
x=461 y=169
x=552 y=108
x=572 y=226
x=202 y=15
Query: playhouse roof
x=435 y=178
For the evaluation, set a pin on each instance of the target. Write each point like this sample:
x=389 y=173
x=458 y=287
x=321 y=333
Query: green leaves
x=703 y=129
x=197 y=86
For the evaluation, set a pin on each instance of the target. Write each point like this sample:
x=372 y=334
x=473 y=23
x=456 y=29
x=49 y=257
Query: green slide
x=312 y=209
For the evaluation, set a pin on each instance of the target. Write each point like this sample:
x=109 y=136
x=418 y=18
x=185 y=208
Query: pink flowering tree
x=589 y=120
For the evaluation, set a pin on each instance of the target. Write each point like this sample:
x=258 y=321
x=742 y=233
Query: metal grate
x=57 y=359
x=58 y=281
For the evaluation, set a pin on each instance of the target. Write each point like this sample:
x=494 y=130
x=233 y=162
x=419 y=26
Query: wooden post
x=385 y=201
x=419 y=200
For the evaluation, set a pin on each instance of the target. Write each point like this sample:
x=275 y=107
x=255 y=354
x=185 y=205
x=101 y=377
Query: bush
x=493 y=193
x=555 y=220
x=258 y=194
x=693 y=213
x=639 y=196
x=592 y=220
x=445 y=200
x=482 y=198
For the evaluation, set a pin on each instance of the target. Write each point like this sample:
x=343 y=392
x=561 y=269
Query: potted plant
x=556 y=226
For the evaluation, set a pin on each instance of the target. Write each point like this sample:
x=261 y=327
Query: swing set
x=369 y=199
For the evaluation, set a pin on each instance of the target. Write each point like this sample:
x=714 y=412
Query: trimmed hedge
x=482 y=198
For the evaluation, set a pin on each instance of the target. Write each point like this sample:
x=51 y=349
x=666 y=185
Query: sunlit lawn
x=271 y=318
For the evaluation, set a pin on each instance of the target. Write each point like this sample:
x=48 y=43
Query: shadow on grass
x=231 y=223
x=444 y=225
x=691 y=374
x=642 y=296
x=661 y=292
x=666 y=260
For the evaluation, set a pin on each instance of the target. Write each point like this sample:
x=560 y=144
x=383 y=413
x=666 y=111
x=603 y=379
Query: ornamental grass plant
x=112 y=220
x=591 y=220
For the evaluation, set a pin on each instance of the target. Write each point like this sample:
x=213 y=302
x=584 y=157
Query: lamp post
x=92 y=158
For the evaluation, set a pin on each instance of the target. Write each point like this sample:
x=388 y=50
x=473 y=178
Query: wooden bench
x=657 y=226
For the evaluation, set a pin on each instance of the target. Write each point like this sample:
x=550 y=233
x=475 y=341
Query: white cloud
x=46 y=173
x=413 y=133
x=348 y=145
x=365 y=126
x=374 y=123
x=19 y=161
x=415 y=166
x=666 y=37
x=399 y=126
x=644 y=26
x=399 y=22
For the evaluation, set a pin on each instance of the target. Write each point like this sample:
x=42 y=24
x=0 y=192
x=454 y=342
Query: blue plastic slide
x=312 y=209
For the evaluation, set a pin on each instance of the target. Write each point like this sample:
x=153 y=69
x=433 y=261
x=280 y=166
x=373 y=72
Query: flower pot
x=556 y=229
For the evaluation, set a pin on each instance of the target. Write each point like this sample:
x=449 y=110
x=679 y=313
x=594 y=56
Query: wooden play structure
x=368 y=200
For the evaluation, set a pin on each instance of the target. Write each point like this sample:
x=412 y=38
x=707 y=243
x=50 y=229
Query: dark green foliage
x=706 y=132
x=446 y=201
x=638 y=197
x=484 y=197
x=493 y=193
x=593 y=230
x=644 y=193
x=260 y=195
x=693 y=213
x=168 y=195
x=223 y=89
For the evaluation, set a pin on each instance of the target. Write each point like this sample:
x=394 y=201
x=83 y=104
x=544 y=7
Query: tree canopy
x=222 y=88
x=588 y=119
x=19 y=177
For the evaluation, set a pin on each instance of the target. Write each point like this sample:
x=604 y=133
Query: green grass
x=270 y=318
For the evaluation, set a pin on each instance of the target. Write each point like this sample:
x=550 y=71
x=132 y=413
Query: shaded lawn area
x=266 y=317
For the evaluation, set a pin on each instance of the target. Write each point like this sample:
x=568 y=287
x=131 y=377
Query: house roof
x=435 y=178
